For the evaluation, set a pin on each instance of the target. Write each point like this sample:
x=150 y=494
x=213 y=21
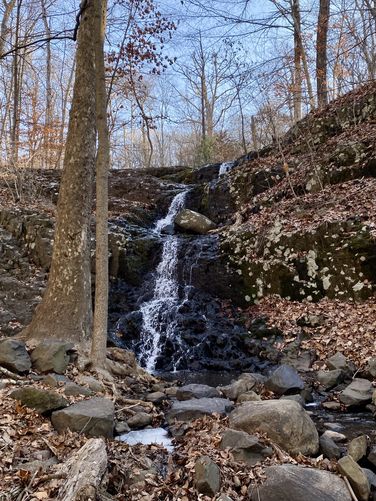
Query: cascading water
x=158 y=313
x=224 y=168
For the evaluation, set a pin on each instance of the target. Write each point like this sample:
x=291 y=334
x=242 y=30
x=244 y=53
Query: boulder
x=92 y=383
x=244 y=447
x=329 y=448
x=190 y=220
x=55 y=380
x=295 y=398
x=51 y=356
x=140 y=420
x=359 y=392
x=14 y=356
x=156 y=397
x=339 y=361
x=371 y=476
x=198 y=407
x=249 y=396
x=234 y=390
x=207 y=476
x=329 y=379
x=41 y=401
x=284 y=379
x=295 y=483
x=284 y=421
x=94 y=417
x=372 y=455
x=357 y=448
x=371 y=367
x=356 y=476
x=196 y=391
x=335 y=436
x=76 y=390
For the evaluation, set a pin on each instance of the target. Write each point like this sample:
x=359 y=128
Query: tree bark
x=99 y=341
x=65 y=311
x=297 y=85
x=321 y=53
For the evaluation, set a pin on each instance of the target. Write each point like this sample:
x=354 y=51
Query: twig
x=352 y=493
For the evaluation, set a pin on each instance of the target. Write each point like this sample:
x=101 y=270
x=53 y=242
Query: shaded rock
x=94 y=417
x=284 y=421
x=359 y=392
x=52 y=356
x=156 y=397
x=92 y=383
x=249 y=396
x=357 y=478
x=339 y=361
x=357 y=448
x=192 y=409
x=207 y=476
x=284 y=379
x=371 y=477
x=190 y=220
x=196 y=391
x=329 y=379
x=14 y=356
x=372 y=455
x=121 y=427
x=244 y=447
x=296 y=483
x=75 y=390
x=371 y=367
x=140 y=420
x=55 y=380
x=329 y=448
x=40 y=400
x=295 y=398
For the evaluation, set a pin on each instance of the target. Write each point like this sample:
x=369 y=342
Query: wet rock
x=190 y=220
x=14 y=356
x=357 y=478
x=42 y=401
x=198 y=407
x=244 y=447
x=75 y=390
x=51 y=356
x=339 y=361
x=296 y=483
x=284 y=421
x=92 y=383
x=329 y=448
x=207 y=476
x=359 y=392
x=329 y=379
x=357 y=448
x=93 y=417
x=284 y=379
x=249 y=396
x=140 y=420
x=156 y=397
x=196 y=391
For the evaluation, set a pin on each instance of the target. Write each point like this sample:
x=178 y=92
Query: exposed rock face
x=94 y=417
x=51 y=355
x=42 y=401
x=295 y=483
x=284 y=421
x=283 y=380
x=190 y=220
x=359 y=392
x=195 y=408
x=14 y=356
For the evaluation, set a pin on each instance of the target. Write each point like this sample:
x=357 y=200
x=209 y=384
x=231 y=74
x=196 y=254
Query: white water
x=224 y=168
x=156 y=313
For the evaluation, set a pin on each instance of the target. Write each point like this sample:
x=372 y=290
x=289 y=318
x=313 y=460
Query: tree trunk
x=65 y=311
x=321 y=53
x=297 y=85
x=99 y=342
x=49 y=112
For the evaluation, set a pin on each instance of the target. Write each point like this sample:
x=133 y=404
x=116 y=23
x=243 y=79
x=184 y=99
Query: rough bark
x=321 y=53
x=65 y=311
x=98 y=350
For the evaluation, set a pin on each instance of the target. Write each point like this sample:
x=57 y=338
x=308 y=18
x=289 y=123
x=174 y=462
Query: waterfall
x=158 y=313
x=224 y=168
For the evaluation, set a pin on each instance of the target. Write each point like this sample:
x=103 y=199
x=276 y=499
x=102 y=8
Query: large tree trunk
x=321 y=53
x=98 y=350
x=65 y=311
x=295 y=9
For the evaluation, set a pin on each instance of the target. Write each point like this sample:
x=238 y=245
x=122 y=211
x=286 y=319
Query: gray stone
x=55 y=380
x=234 y=390
x=335 y=436
x=41 y=401
x=329 y=448
x=198 y=407
x=190 y=220
x=156 y=397
x=372 y=455
x=329 y=379
x=371 y=477
x=284 y=379
x=196 y=391
x=284 y=421
x=94 y=417
x=14 y=356
x=249 y=396
x=207 y=476
x=374 y=397
x=92 y=383
x=171 y=392
x=296 y=483
x=75 y=390
x=51 y=356
x=339 y=361
x=224 y=497
x=359 y=392
x=140 y=420
x=371 y=367
x=331 y=406
x=295 y=398
x=357 y=448
x=122 y=427
x=244 y=447
x=357 y=478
